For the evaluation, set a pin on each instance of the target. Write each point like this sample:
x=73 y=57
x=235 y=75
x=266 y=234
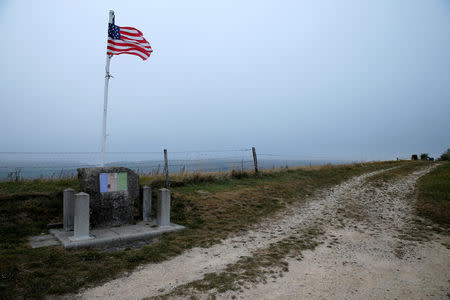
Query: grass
x=211 y=206
x=396 y=173
x=36 y=186
x=261 y=266
x=433 y=196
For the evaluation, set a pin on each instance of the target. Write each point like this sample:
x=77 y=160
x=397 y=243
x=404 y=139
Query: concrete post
x=68 y=209
x=81 y=226
x=146 y=203
x=163 y=216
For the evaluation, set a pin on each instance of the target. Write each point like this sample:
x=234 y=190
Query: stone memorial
x=102 y=214
x=112 y=192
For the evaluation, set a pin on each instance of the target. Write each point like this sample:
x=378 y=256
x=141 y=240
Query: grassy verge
x=433 y=199
x=396 y=173
x=45 y=187
x=211 y=206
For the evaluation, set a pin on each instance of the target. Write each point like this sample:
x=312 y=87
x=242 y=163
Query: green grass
x=41 y=186
x=433 y=199
x=230 y=205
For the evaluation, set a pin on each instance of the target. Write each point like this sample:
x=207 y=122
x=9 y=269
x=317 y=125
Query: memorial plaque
x=113 y=182
x=112 y=191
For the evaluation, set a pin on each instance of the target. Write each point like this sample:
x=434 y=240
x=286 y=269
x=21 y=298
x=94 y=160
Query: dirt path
x=369 y=256
x=364 y=246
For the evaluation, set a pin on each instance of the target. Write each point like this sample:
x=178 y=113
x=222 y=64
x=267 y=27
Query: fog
x=351 y=79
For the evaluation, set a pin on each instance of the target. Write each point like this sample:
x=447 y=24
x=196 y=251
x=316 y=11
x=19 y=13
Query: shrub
x=445 y=156
x=424 y=156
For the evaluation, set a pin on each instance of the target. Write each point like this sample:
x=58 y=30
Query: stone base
x=46 y=240
x=78 y=239
x=114 y=235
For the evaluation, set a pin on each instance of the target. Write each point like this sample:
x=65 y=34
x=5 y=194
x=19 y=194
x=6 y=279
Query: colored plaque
x=113 y=182
x=122 y=182
x=103 y=182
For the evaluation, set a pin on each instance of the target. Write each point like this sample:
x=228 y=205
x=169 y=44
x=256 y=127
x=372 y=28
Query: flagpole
x=105 y=100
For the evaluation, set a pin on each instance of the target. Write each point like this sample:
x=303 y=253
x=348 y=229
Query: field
x=212 y=207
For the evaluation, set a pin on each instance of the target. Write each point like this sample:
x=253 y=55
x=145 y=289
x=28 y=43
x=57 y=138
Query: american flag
x=127 y=40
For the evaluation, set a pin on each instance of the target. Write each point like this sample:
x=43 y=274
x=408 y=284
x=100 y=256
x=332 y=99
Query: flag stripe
x=135 y=52
x=132 y=52
x=145 y=45
x=114 y=44
x=143 y=54
x=139 y=40
x=125 y=40
x=131 y=30
x=118 y=44
x=120 y=47
x=128 y=48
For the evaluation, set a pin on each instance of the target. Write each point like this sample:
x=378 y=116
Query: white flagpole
x=105 y=103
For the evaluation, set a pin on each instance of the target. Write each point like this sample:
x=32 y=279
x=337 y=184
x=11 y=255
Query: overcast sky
x=348 y=79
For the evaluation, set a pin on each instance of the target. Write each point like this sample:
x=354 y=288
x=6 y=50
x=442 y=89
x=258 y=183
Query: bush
x=424 y=156
x=414 y=157
x=445 y=156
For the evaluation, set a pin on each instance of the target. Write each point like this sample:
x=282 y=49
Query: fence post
x=166 y=169
x=255 y=161
x=68 y=208
x=146 y=203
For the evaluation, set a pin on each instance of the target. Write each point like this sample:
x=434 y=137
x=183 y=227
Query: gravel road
x=363 y=254
x=368 y=257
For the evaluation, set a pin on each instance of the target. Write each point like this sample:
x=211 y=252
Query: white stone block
x=81 y=224
x=163 y=209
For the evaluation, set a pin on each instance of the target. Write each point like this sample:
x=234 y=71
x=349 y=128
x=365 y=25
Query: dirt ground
x=373 y=247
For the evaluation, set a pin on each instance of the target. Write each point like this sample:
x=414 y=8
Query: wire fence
x=15 y=166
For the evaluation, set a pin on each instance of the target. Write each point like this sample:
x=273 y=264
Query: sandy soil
x=362 y=257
